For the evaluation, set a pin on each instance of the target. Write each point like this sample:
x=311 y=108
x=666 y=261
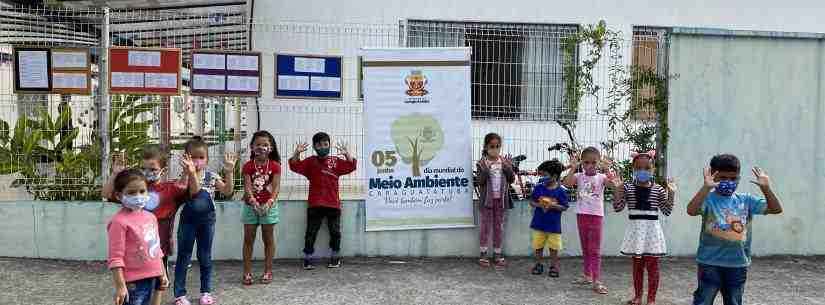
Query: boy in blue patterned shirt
x=724 y=252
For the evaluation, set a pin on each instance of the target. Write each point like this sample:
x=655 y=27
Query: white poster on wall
x=418 y=138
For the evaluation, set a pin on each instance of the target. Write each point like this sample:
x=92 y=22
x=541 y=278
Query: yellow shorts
x=551 y=240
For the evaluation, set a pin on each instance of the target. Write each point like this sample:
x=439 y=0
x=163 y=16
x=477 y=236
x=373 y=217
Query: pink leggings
x=492 y=217
x=590 y=235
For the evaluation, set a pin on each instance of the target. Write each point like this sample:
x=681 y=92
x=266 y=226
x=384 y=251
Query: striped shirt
x=644 y=202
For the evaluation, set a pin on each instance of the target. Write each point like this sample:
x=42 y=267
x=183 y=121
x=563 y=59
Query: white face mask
x=135 y=202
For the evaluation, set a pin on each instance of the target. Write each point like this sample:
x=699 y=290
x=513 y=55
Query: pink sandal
x=266 y=278
x=484 y=262
x=501 y=263
x=247 y=279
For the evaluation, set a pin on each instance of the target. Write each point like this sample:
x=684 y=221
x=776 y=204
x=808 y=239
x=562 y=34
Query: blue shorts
x=140 y=291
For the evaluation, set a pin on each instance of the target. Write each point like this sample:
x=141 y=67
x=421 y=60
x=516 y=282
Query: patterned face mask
x=727 y=187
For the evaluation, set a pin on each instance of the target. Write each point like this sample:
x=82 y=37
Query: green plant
x=641 y=134
x=40 y=151
x=578 y=77
x=130 y=118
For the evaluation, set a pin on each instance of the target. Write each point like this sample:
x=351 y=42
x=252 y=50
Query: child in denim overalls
x=197 y=220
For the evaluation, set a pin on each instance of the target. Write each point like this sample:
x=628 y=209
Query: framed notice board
x=71 y=71
x=149 y=71
x=226 y=73
x=31 y=70
x=308 y=76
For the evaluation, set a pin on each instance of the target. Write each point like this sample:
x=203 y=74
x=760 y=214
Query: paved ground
x=774 y=281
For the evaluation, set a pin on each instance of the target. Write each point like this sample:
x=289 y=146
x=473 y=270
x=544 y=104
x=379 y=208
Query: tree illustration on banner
x=418 y=138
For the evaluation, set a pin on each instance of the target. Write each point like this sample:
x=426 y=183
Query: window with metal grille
x=649 y=56
x=517 y=68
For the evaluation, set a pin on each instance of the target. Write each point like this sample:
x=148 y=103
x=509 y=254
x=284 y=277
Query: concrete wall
x=760 y=96
x=77 y=231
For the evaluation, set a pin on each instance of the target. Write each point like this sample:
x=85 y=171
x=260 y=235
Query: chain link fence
x=52 y=147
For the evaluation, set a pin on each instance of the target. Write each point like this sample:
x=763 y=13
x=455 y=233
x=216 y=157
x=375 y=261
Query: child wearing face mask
x=549 y=200
x=197 y=218
x=495 y=174
x=323 y=172
x=590 y=186
x=644 y=239
x=135 y=255
x=167 y=196
x=262 y=183
x=724 y=252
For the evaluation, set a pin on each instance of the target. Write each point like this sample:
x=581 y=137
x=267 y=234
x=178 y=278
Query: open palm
x=762 y=178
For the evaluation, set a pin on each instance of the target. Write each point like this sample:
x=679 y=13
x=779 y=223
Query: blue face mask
x=727 y=187
x=153 y=202
x=642 y=176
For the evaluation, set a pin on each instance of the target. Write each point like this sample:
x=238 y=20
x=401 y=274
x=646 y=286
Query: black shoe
x=308 y=264
x=553 y=272
x=334 y=262
x=538 y=269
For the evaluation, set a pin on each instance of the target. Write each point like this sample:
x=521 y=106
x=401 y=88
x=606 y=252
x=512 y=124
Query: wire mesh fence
x=52 y=148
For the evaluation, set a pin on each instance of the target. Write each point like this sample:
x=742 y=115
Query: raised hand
x=187 y=164
x=508 y=159
x=118 y=162
x=573 y=162
x=301 y=148
x=342 y=149
x=709 y=178
x=762 y=178
x=229 y=160
x=670 y=186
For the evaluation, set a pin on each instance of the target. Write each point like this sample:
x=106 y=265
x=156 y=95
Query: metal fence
x=519 y=91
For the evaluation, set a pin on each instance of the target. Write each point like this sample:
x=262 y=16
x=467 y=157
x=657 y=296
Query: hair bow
x=650 y=154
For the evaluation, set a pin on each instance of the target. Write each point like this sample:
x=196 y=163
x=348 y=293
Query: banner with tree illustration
x=418 y=133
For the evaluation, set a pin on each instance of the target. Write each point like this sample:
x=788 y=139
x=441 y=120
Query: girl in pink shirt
x=135 y=256
x=590 y=184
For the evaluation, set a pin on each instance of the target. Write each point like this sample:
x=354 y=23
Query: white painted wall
x=791 y=15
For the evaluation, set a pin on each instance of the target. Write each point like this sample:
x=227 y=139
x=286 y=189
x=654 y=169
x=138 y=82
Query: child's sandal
x=553 y=272
x=600 y=289
x=501 y=263
x=247 y=279
x=484 y=262
x=266 y=278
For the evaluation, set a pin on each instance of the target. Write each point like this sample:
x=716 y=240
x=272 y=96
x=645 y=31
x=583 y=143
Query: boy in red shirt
x=323 y=172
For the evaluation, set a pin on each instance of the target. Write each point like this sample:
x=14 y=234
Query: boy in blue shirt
x=549 y=199
x=725 y=241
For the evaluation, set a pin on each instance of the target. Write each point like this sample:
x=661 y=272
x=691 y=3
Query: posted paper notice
x=310 y=65
x=33 y=69
x=289 y=82
x=127 y=80
x=144 y=58
x=162 y=80
x=69 y=80
x=242 y=63
x=242 y=83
